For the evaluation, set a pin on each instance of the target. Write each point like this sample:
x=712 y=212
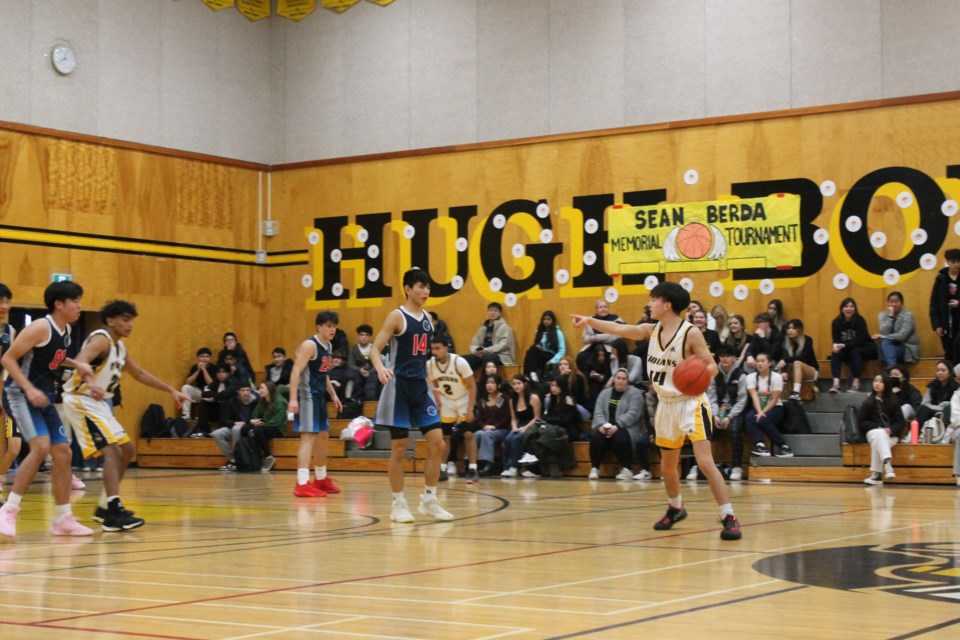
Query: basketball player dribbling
x=678 y=417
x=407 y=399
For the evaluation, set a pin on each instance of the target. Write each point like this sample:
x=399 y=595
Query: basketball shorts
x=93 y=423
x=682 y=417
x=312 y=417
x=407 y=403
x=454 y=409
x=34 y=422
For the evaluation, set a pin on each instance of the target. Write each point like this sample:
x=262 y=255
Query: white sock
x=102 y=502
x=303 y=476
x=61 y=511
x=112 y=498
x=398 y=495
x=14 y=499
x=796 y=387
x=429 y=491
x=473 y=466
x=726 y=510
x=321 y=472
x=676 y=502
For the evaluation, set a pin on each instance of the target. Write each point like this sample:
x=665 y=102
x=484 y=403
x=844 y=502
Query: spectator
x=955 y=424
x=899 y=341
x=798 y=362
x=696 y=306
x=711 y=337
x=236 y=414
x=345 y=380
x=728 y=400
x=560 y=408
x=720 y=320
x=269 y=420
x=594 y=337
x=764 y=339
x=238 y=374
x=213 y=401
x=199 y=377
x=738 y=340
x=851 y=343
x=547 y=349
x=778 y=321
x=908 y=396
x=939 y=393
x=493 y=342
x=359 y=361
x=945 y=304
x=882 y=423
x=524 y=412
x=440 y=330
x=617 y=427
x=765 y=412
x=576 y=384
x=493 y=417
x=597 y=372
x=620 y=359
x=232 y=346
x=490 y=369
x=279 y=371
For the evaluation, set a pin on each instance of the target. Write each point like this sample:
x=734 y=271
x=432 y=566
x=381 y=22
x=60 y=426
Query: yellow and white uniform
x=92 y=420
x=678 y=416
x=454 y=396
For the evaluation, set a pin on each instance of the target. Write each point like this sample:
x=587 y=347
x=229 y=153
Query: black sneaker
x=761 y=450
x=672 y=517
x=101 y=512
x=783 y=451
x=473 y=476
x=117 y=520
x=731 y=528
x=443 y=474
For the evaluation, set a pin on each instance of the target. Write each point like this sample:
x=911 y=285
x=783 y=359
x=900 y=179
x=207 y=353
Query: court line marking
x=918 y=632
x=288 y=629
x=72 y=594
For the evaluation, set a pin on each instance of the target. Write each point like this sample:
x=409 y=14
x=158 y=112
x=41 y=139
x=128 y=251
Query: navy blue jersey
x=6 y=333
x=41 y=363
x=314 y=379
x=410 y=349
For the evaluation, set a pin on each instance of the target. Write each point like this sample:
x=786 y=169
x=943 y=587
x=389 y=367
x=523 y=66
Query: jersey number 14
x=420 y=344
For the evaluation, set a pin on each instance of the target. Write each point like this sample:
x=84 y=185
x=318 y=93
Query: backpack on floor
x=849 y=426
x=154 y=423
x=246 y=455
x=177 y=428
x=352 y=408
x=795 y=418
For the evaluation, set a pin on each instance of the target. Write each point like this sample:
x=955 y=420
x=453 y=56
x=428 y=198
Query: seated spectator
x=440 y=330
x=945 y=304
x=213 y=400
x=340 y=342
x=200 y=376
x=493 y=342
x=798 y=362
x=765 y=411
x=279 y=371
x=620 y=359
x=359 y=361
x=269 y=420
x=764 y=339
x=695 y=306
x=576 y=384
x=232 y=346
x=524 y=412
x=235 y=416
x=490 y=369
x=939 y=393
x=778 y=321
x=711 y=337
x=547 y=349
x=881 y=421
x=239 y=376
x=560 y=408
x=955 y=424
x=598 y=371
x=898 y=337
x=738 y=340
x=617 y=427
x=493 y=418
x=720 y=320
x=728 y=400
x=594 y=337
x=851 y=343
x=907 y=395
x=346 y=381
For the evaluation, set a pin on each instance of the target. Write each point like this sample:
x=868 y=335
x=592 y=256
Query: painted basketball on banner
x=694 y=240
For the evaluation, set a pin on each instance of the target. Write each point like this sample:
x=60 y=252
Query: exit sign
x=60 y=277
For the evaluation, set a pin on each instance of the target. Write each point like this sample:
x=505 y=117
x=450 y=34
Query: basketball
x=694 y=240
x=691 y=376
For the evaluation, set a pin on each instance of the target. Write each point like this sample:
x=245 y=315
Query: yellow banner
x=216 y=5
x=705 y=236
x=296 y=10
x=254 y=9
x=338 y=5
x=382 y=3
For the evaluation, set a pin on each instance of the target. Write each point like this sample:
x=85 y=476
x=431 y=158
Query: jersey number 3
x=420 y=344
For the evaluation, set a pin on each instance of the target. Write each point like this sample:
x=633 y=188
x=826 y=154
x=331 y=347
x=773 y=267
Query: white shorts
x=453 y=409
x=681 y=418
x=93 y=423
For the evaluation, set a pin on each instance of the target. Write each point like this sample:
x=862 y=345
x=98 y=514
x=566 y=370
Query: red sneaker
x=326 y=485
x=308 y=491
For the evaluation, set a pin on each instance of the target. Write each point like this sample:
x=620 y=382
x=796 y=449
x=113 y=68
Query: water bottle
x=914 y=432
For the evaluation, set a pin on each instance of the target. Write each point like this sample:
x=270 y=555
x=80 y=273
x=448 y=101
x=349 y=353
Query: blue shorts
x=407 y=403
x=31 y=421
x=312 y=417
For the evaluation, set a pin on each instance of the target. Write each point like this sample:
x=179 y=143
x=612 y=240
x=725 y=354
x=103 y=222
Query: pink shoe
x=68 y=526
x=76 y=483
x=8 y=520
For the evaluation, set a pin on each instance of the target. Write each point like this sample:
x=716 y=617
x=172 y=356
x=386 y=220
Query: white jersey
x=662 y=359
x=449 y=378
x=106 y=370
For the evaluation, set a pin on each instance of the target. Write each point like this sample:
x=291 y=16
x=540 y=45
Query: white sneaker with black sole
x=692 y=474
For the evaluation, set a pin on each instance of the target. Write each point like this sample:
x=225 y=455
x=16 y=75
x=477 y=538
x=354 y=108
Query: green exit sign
x=61 y=277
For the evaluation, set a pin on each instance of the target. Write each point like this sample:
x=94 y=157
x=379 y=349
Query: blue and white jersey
x=313 y=381
x=410 y=349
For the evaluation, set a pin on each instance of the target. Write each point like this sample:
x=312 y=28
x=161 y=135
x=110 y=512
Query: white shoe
x=958 y=481
x=874 y=479
x=528 y=458
x=692 y=474
x=400 y=511
x=888 y=471
x=736 y=473
x=594 y=474
x=625 y=474
x=76 y=483
x=643 y=475
x=509 y=473
x=530 y=474
x=451 y=469
x=430 y=506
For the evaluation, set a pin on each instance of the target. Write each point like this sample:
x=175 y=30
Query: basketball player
x=87 y=403
x=406 y=400
x=7 y=426
x=678 y=416
x=32 y=363
x=456 y=391
x=309 y=377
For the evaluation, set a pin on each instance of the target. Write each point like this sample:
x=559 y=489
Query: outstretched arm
x=632 y=331
x=145 y=377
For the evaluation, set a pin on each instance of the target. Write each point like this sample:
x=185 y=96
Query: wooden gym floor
x=235 y=556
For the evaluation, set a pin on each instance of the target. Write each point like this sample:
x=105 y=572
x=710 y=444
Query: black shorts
x=399 y=433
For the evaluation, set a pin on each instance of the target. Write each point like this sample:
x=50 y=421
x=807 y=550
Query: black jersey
x=410 y=349
x=41 y=363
